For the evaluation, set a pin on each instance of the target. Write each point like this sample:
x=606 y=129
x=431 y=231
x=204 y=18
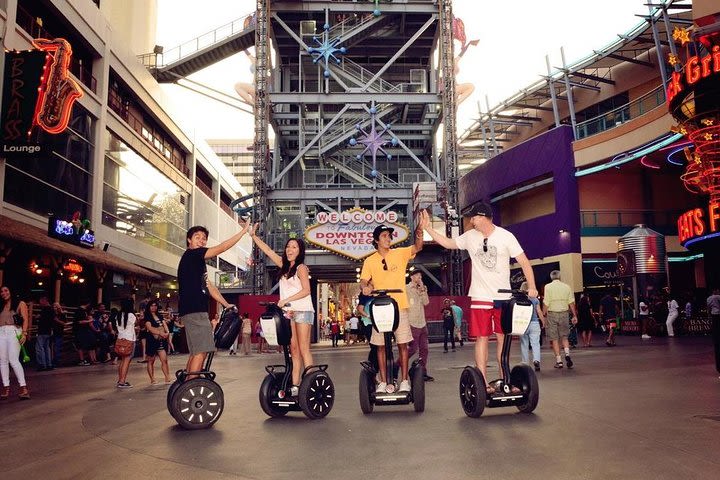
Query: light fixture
x=39 y=271
x=357 y=269
x=40 y=284
x=562 y=230
x=81 y=280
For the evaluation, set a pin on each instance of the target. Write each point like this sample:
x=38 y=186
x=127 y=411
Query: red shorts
x=484 y=321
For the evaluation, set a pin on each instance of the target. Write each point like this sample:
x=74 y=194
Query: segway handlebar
x=512 y=291
x=265 y=304
x=386 y=291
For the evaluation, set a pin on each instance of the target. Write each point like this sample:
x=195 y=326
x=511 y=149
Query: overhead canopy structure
x=21 y=232
x=502 y=123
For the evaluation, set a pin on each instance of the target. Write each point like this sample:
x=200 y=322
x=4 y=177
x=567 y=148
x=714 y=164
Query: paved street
x=648 y=410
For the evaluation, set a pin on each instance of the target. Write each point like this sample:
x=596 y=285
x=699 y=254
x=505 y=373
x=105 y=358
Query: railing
x=236 y=279
x=349 y=24
x=203 y=187
x=628 y=218
x=361 y=75
x=29 y=23
x=175 y=54
x=622 y=114
x=116 y=104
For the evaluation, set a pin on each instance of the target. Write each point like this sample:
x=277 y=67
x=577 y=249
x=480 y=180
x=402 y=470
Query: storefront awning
x=22 y=232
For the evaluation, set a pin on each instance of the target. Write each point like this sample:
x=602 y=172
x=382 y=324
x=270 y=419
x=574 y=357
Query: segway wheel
x=523 y=377
x=472 y=392
x=170 y=393
x=197 y=403
x=316 y=395
x=268 y=391
x=418 y=388
x=367 y=383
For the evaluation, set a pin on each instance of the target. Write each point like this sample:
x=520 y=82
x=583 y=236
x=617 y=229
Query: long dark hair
x=127 y=306
x=287 y=270
x=14 y=301
x=147 y=316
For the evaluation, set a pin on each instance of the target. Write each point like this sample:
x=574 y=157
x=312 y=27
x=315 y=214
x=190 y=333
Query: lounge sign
x=696 y=224
x=349 y=233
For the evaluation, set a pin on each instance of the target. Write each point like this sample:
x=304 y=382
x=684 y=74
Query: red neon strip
x=645 y=164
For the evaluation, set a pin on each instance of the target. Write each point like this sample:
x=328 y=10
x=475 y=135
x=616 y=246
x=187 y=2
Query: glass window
x=59 y=180
x=138 y=200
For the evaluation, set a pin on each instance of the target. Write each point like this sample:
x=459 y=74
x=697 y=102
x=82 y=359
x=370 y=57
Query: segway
x=385 y=317
x=197 y=403
x=514 y=320
x=316 y=393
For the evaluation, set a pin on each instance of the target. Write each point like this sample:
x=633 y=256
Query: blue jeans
x=42 y=351
x=531 y=337
x=57 y=349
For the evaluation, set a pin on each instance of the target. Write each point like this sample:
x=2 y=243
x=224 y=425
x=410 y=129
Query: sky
x=515 y=36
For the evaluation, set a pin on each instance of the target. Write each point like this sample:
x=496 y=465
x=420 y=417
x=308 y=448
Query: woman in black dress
x=586 y=322
x=157 y=341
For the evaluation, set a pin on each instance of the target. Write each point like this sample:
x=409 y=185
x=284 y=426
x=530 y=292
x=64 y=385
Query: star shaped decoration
x=681 y=35
x=374 y=140
x=673 y=59
x=708 y=136
x=326 y=50
x=707 y=121
x=683 y=130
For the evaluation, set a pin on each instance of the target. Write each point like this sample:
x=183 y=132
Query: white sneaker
x=381 y=387
x=294 y=391
x=646 y=337
x=404 y=386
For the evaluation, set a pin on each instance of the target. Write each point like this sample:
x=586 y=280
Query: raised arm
x=227 y=244
x=264 y=247
x=438 y=237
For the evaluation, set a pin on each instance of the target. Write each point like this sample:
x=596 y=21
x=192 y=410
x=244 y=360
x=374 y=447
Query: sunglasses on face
x=384 y=264
x=485 y=245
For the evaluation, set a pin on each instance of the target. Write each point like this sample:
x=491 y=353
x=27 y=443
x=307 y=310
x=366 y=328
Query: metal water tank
x=649 y=248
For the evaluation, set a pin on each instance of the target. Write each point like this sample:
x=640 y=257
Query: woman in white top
x=124 y=324
x=294 y=290
x=673 y=308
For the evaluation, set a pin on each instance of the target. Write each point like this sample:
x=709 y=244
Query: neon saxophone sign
x=57 y=91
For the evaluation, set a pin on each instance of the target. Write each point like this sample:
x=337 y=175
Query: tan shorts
x=403 y=334
x=558 y=325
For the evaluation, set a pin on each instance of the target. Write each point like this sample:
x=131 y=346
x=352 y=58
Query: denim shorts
x=304 y=317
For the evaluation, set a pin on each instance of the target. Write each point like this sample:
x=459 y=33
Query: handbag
x=124 y=347
x=18 y=320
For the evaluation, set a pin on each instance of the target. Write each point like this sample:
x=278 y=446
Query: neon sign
x=73 y=267
x=71 y=232
x=696 y=68
x=57 y=91
x=697 y=223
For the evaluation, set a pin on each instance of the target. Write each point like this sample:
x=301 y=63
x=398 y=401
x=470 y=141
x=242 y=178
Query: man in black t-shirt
x=194 y=287
x=44 y=330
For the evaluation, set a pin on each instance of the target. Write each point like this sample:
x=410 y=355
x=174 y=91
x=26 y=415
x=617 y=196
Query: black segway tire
x=523 y=377
x=472 y=392
x=269 y=390
x=170 y=393
x=418 y=388
x=197 y=403
x=316 y=395
x=367 y=383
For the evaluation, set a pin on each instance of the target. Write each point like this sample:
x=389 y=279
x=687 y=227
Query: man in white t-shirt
x=353 y=328
x=643 y=314
x=490 y=248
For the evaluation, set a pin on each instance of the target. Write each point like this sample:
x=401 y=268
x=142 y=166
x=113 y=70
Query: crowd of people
x=102 y=336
